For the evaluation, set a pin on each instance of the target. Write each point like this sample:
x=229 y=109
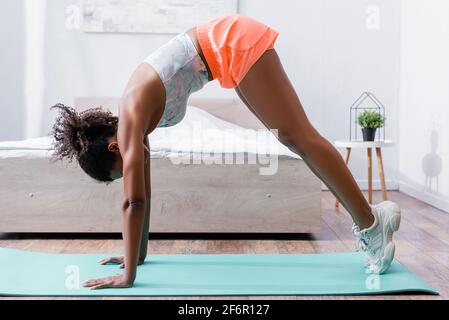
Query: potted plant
x=370 y=121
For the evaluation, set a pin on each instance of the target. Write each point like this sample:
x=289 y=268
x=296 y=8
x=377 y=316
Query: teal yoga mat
x=39 y=274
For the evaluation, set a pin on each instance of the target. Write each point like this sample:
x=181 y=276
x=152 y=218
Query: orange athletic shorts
x=232 y=44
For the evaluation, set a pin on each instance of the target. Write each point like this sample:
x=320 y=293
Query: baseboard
x=363 y=184
x=437 y=200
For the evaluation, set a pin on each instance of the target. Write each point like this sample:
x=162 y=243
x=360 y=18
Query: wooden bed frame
x=39 y=196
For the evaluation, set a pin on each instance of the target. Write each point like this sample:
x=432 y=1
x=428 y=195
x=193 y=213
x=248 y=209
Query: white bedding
x=199 y=132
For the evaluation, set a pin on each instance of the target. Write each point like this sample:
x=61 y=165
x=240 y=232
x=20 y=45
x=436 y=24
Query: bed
x=197 y=187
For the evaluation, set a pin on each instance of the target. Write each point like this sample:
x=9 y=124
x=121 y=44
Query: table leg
x=348 y=154
x=381 y=174
x=370 y=176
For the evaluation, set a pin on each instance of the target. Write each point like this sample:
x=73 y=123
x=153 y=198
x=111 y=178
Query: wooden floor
x=422 y=244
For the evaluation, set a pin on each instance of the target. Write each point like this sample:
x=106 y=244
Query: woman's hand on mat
x=117 y=281
x=119 y=260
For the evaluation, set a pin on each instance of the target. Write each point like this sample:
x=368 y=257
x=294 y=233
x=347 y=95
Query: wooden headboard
x=231 y=110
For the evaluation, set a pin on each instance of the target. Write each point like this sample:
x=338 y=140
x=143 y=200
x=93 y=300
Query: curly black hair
x=85 y=136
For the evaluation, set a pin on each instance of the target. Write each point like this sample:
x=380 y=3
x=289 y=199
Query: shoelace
x=362 y=240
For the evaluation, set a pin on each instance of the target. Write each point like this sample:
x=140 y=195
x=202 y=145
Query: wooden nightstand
x=369 y=146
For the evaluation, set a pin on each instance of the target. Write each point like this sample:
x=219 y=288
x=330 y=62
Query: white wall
x=424 y=101
x=12 y=57
x=329 y=49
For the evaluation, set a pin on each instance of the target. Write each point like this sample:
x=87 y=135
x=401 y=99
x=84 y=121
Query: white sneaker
x=360 y=245
x=377 y=240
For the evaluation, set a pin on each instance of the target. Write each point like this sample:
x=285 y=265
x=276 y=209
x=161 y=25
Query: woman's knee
x=290 y=140
x=297 y=142
x=286 y=138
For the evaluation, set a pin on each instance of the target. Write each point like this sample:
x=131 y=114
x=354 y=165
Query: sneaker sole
x=392 y=226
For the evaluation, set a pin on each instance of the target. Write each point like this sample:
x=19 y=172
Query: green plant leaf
x=371 y=119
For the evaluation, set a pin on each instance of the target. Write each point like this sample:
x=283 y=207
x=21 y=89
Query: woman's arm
x=146 y=224
x=130 y=138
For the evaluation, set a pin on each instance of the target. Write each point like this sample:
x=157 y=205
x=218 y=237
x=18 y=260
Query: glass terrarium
x=367 y=119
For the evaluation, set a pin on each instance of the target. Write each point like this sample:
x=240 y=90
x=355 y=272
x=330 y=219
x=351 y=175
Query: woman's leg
x=242 y=97
x=268 y=92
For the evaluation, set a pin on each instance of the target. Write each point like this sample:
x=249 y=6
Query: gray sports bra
x=182 y=71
